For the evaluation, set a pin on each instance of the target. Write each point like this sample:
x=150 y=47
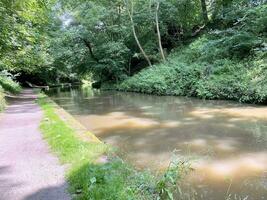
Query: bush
x=9 y=85
x=244 y=81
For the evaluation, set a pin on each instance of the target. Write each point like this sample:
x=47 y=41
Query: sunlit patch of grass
x=70 y=149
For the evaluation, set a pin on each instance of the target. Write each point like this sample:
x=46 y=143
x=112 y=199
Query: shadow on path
x=49 y=193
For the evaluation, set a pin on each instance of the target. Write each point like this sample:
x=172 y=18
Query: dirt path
x=28 y=171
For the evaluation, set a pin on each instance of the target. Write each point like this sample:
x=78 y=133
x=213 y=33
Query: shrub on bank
x=244 y=81
x=9 y=85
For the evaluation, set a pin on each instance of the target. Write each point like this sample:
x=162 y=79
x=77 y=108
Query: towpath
x=28 y=170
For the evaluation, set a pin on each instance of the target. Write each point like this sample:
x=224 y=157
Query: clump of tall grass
x=169 y=184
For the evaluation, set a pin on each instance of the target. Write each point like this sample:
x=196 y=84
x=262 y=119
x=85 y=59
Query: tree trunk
x=130 y=13
x=158 y=31
x=204 y=11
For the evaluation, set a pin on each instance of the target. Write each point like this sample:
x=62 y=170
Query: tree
x=130 y=12
x=204 y=11
x=158 y=32
x=109 y=39
x=23 y=34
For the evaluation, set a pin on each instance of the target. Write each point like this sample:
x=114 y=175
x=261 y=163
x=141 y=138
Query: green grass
x=7 y=85
x=112 y=180
x=2 y=99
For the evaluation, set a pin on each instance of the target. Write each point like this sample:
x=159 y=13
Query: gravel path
x=28 y=171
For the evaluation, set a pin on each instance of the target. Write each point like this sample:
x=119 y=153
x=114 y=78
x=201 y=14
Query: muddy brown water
x=225 y=141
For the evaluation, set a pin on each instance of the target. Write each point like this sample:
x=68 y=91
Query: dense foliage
x=23 y=35
x=9 y=85
x=49 y=40
x=22 y=41
x=226 y=62
x=209 y=43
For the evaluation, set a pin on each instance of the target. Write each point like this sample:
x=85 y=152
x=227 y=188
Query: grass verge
x=113 y=179
x=2 y=99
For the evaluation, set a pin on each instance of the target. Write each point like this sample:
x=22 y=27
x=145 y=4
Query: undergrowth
x=111 y=180
x=9 y=85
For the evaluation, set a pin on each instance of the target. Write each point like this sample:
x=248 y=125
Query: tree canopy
x=56 y=40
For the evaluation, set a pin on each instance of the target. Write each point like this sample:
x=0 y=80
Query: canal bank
x=94 y=169
x=226 y=141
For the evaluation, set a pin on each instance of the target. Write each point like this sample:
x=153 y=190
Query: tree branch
x=88 y=45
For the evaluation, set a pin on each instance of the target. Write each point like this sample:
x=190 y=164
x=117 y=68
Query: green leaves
x=111 y=55
x=221 y=64
x=22 y=35
x=66 y=40
x=8 y=84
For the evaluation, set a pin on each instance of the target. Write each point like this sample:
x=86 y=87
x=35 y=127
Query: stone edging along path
x=28 y=170
x=79 y=129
